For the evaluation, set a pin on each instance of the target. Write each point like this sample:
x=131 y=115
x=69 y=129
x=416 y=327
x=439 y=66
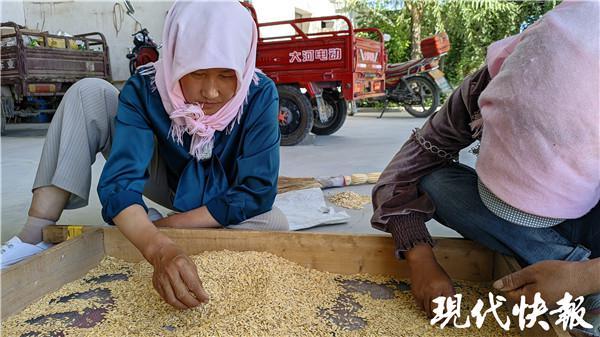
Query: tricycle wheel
x=336 y=109
x=3 y=125
x=295 y=115
x=8 y=108
x=426 y=96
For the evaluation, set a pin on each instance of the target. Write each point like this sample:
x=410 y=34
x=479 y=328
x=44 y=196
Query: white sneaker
x=15 y=250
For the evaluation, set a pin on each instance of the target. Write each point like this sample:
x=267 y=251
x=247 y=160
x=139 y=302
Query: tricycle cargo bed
x=37 y=68
x=329 y=59
x=52 y=65
x=29 y=56
x=319 y=73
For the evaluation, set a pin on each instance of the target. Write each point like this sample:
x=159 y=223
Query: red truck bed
x=337 y=58
x=318 y=73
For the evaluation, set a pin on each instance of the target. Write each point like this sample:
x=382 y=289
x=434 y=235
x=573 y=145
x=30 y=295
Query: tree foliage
x=471 y=26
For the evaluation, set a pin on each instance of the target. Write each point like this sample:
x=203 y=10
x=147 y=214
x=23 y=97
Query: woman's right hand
x=428 y=280
x=175 y=277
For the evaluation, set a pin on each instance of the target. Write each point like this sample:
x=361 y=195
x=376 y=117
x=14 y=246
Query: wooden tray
x=25 y=282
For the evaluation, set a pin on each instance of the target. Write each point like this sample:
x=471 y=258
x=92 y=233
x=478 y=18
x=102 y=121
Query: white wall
x=12 y=10
x=81 y=16
x=278 y=10
x=77 y=17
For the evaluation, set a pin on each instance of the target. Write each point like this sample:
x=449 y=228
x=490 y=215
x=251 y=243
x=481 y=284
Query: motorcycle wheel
x=295 y=115
x=336 y=108
x=428 y=93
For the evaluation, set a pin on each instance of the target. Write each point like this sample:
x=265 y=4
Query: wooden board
x=60 y=233
x=26 y=282
x=338 y=253
x=504 y=265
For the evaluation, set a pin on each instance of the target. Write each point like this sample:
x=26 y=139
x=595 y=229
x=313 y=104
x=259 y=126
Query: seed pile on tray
x=351 y=200
x=252 y=294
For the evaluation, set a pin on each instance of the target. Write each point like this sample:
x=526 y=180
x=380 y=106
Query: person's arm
x=552 y=279
x=399 y=206
x=175 y=276
x=124 y=174
x=120 y=190
x=196 y=218
x=592 y=267
x=401 y=209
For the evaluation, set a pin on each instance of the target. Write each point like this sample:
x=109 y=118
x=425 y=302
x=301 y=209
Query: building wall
x=80 y=16
x=77 y=17
x=11 y=10
x=278 y=10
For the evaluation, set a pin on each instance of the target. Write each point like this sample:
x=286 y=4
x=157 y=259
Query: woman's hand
x=196 y=218
x=551 y=279
x=176 y=278
x=428 y=280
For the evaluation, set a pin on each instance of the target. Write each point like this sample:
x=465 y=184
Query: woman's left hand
x=164 y=222
x=550 y=278
x=196 y=218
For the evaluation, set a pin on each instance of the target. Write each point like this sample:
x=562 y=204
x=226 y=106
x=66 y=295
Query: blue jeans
x=453 y=191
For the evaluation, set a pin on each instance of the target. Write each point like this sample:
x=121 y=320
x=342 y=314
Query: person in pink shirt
x=535 y=191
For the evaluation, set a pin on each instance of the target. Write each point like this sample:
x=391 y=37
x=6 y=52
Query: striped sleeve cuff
x=407 y=231
x=225 y=212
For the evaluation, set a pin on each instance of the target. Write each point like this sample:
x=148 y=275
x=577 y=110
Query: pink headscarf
x=540 y=147
x=197 y=35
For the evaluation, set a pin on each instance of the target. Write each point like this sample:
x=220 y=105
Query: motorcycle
x=145 y=50
x=416 y=85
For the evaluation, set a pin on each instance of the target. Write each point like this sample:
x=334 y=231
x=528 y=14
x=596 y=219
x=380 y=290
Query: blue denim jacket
x=238 y=182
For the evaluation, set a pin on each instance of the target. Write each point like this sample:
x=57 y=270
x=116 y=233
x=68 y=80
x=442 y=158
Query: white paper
x=307 y=208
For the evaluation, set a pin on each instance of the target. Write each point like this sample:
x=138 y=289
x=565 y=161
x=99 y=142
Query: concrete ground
x=364 y=144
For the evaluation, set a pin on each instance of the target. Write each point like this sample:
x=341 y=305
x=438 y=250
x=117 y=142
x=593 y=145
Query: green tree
x=471 y=26
x=415 y=8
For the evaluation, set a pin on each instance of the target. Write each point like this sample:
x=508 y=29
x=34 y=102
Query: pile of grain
x=252 y=294
x=350 y=200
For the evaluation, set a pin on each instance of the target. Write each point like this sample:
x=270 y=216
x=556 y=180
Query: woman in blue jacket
x=196 y=132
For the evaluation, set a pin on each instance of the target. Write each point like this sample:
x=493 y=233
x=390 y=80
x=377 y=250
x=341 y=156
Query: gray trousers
x=82 y=126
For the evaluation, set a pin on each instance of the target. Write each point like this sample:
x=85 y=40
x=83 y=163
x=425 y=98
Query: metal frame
x=342 y=74
x=23 y=76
